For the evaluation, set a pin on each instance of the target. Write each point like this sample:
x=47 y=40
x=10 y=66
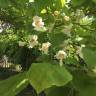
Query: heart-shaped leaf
x=46 y=75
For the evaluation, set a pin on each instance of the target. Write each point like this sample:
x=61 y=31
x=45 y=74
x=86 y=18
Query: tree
x=54 y=41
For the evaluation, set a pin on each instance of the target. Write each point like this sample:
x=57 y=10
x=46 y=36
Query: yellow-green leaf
x=62 y=3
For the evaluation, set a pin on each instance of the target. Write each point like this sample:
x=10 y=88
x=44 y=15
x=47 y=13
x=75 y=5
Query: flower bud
x=56 y=13
x=66 y=18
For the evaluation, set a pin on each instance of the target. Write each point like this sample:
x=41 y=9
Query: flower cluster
x=38 y=25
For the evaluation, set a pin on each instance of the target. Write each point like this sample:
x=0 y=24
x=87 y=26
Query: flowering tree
x=52 y=45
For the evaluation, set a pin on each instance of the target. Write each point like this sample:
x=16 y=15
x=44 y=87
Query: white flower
x=37 y=21
x=45 y=47
x=38 y=24
x=33 y=41
x=61 y=55
x=21 y=44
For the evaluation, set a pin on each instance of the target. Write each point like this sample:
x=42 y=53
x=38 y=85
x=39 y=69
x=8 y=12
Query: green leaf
x=76 y=3
x=84 y=84
x=58 y=91
x=13 y=85
x=45 y=75
x=62 y=3
x=4 y=3
x=89 y=57
x=57 y=39
x=3 y=47
x=81 y=32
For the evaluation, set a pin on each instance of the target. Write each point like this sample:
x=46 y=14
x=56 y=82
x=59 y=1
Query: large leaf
x=46 y=75
x=89 y=57
x=13 y=85
x=84 y=84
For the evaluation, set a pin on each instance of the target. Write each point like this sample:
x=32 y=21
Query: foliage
x=51 y=43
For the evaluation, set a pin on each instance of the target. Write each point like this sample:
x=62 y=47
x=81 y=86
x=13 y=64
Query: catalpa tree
x=50 y=44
